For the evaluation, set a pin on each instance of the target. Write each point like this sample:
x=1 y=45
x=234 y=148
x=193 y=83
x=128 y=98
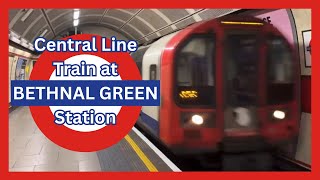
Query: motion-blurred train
x=227 y=84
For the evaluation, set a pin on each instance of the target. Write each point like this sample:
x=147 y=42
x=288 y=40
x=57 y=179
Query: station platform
x=30 y=150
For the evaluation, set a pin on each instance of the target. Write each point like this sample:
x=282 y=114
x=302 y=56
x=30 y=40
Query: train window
x=20 y=69
x=153 y=72
x=241 y=64
x=280 y=72
x=195 y=67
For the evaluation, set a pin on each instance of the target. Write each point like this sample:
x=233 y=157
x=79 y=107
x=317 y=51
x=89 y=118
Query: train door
x=241 y=57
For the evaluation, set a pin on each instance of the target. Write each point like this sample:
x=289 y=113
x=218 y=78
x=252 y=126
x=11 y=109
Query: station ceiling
x=139 y=24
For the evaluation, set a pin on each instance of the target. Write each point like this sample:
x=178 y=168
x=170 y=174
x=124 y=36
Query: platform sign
x=306 y=35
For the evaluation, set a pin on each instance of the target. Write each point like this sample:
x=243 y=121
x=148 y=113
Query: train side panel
x=151 y=70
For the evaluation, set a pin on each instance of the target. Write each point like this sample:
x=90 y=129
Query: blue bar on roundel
x=85 y=93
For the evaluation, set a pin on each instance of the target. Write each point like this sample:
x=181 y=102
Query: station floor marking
x=141 y=155
x=157 y=151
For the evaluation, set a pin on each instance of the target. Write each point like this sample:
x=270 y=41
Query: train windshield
x=195 y=69
x=241 y=64
x=280 y=79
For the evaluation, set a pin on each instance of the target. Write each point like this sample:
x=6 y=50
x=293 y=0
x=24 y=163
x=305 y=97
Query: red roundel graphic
x=94 y=140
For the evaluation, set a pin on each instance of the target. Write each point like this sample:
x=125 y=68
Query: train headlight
x=279 y=114
x=242 y=116
x=197 y=119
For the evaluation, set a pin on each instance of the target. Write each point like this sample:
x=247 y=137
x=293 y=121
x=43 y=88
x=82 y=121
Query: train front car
x=228 y=84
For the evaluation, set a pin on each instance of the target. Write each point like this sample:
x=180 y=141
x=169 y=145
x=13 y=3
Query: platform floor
x=30 y=150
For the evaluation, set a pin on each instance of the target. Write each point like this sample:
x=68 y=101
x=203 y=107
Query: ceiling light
x=44 y=32
x=26 y=15
x=76 y=14
x=75 y=22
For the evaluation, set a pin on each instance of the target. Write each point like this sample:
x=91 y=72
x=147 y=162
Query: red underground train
x=227 y=84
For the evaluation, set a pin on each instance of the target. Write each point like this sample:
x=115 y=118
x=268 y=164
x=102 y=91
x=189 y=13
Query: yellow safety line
x=141 y=155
